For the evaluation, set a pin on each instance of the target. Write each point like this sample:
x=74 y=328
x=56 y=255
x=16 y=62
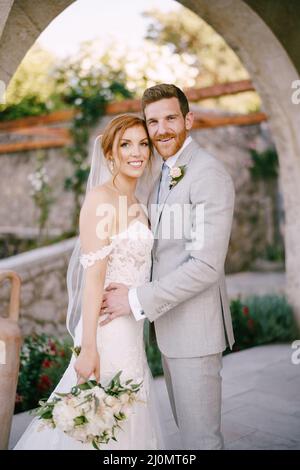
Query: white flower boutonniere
x=176 y=174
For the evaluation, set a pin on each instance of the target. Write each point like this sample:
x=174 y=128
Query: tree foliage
x=33 y=77
x=187 y=34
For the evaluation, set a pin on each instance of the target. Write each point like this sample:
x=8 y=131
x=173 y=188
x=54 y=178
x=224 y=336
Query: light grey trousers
x=195 y=392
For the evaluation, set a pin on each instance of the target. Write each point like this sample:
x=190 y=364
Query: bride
x=114 y=245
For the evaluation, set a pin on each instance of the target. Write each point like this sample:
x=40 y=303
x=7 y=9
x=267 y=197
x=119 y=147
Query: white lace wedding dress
x=121 y=347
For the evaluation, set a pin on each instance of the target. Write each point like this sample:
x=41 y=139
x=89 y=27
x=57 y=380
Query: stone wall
x=17 y=209
x=44 y=297
x=249 y=235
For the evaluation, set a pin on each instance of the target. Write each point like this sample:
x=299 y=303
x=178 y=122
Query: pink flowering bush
x=43 y=361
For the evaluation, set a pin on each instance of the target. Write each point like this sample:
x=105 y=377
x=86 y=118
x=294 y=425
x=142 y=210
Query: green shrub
x=43 y=361
x=243 y=324
x=28 y=106
x=261 y=320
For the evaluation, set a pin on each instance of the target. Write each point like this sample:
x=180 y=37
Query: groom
x=186 y=297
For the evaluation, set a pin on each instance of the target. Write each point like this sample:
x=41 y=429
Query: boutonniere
x=176 y=174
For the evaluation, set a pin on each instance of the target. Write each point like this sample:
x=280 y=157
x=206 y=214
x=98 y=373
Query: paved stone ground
x=261 y=402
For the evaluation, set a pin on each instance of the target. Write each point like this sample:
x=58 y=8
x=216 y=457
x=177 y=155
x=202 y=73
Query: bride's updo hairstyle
x=115 y=130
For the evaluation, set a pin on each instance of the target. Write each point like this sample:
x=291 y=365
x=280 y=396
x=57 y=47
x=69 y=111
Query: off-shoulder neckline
x=129 y=227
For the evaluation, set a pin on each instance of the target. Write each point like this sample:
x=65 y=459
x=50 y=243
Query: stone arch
x=268 y=63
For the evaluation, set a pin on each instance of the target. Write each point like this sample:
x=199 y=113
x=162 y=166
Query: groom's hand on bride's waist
x=114 y=303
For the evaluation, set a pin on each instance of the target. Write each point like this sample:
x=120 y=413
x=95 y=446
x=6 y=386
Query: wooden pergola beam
x=205 y=120
x=202 y=121
x=216 y=91
x=130 y=106
x=43 y=131
x=32 y=121
x=52 y=137
x=34 y=145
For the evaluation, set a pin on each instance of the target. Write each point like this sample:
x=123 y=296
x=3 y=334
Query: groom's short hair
x=163 y=91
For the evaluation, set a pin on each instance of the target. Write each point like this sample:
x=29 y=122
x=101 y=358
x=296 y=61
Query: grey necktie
x=164 y=182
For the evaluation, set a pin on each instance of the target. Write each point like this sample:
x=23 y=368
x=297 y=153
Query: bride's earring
x=112 y=165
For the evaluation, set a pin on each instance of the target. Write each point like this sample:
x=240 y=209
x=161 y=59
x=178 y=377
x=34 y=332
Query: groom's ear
x=189 y=120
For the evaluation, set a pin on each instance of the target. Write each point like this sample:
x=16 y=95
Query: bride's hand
x=87 y=364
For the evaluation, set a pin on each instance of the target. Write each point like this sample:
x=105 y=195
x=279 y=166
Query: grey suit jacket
x=187 y=298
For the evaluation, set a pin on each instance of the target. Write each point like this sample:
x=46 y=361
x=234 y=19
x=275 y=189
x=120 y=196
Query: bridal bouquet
x=90 y=412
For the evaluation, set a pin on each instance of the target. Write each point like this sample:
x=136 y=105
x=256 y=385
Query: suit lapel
x=183 y=159
x=152 y=202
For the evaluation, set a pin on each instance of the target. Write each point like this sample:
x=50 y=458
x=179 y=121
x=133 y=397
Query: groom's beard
x=173 y=143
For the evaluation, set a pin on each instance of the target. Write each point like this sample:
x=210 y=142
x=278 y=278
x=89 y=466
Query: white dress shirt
x=134 y=302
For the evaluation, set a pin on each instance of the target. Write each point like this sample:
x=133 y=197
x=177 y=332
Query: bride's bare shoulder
x=96 y=196
x=100 y=194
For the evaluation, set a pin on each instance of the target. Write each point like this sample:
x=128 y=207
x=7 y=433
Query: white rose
x=79 y=434
x=114 y=403
x=117 y=408
x=99 y=393
x=111 y=401
x=108 y=419
x=127 y=410
x=175 y=172
x=63 y=416
x=95 y=428
x=124 y=398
